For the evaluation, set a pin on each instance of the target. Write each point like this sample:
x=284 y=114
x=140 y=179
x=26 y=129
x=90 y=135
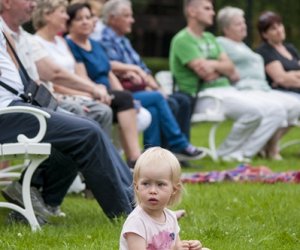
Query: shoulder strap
x=17 y=58
x=12 y=90
x=9 y=88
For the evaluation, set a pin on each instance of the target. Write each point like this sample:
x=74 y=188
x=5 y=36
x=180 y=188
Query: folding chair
x=32 y=152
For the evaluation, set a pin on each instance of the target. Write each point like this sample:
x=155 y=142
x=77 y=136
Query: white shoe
x=234 y=158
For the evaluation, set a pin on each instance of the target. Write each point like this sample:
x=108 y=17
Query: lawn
x=224 y=216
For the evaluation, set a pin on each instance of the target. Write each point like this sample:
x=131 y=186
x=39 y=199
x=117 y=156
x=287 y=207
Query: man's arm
x=209 y=69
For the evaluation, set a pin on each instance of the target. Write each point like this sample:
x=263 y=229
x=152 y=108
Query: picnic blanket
x=243 y=173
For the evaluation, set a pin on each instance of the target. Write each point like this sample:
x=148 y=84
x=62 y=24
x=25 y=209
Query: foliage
x=223 y=216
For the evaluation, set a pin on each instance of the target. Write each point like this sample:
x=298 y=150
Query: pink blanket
x=243 y=173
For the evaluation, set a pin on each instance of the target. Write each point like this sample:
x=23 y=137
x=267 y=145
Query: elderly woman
x=250 y=67
x=88 y=53
x=49 y=19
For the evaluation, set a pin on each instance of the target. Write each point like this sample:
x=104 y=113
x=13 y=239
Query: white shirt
x=9 y=74
x=27 y=51
x=158 y=235
x=59 y=52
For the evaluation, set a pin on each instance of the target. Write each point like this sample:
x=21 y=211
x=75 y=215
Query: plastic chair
x=32 y=152
x=214 y=115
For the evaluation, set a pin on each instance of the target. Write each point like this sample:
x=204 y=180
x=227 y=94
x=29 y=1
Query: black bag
x=36 y=94
x=39 y=95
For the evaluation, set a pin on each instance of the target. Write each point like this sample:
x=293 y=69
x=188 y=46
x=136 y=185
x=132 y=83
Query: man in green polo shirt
x=195 y=56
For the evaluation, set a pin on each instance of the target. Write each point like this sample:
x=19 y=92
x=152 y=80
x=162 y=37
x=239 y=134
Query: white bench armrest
x=39 y=114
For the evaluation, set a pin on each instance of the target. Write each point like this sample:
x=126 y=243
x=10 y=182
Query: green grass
x=223 y=216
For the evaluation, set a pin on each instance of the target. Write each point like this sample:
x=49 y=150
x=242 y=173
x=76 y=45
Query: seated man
x=196 y=55
x=118 y=18
x=77 y=139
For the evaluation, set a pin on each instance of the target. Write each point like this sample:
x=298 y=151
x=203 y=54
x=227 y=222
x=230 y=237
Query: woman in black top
x=281 y=59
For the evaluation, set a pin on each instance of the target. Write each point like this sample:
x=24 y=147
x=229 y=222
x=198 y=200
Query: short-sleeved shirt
x=270 y=54
x=119 y=48
x=96 y=61
x=9 y=74
x=158 y=236
x=59 y=52
x=184 y=48
x=249 y=65
x=27 y=53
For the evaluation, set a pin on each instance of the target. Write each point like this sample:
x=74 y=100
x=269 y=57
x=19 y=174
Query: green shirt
x=184 y=48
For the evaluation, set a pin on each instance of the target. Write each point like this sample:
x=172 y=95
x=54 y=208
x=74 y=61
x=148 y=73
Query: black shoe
x=13 y=194
x=15 y=217
x=190 y=153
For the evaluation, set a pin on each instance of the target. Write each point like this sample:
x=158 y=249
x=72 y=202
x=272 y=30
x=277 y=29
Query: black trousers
x=86 y=148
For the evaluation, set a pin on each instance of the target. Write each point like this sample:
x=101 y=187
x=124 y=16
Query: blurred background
x=158 y=20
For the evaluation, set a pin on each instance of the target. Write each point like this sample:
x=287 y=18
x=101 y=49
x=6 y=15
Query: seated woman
x=281 y=59
x=251 y=70
x=89 y=53
x=49 y=18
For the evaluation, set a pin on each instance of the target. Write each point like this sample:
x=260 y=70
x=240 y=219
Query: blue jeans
x=163 y=122
x=83 y=144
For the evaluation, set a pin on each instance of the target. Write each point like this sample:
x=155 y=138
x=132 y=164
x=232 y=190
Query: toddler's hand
x=195 y=245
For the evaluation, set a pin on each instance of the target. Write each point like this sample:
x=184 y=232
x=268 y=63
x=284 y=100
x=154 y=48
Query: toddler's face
x=154 y=188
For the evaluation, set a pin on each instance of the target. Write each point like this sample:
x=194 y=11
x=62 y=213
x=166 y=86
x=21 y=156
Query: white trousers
x=255 y=120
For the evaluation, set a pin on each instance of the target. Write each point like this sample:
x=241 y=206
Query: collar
x=13 y=34
x=110 y=32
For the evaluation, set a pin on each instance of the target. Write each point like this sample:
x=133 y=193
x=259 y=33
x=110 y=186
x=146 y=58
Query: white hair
x=225 y=16
x=112 y=8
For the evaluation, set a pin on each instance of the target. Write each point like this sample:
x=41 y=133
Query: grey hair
x=112 y=8
x=226 y=15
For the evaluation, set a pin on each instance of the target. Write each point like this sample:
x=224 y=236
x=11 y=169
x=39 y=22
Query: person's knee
x=253 y=116
x=144 y=119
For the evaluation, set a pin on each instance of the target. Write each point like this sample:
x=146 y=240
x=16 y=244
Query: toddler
x=157 y=185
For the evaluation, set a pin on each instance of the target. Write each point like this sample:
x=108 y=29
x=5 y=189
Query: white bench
x=214 y=115
x=32 y=152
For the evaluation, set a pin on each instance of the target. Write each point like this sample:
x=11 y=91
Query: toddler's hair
x=157 y=157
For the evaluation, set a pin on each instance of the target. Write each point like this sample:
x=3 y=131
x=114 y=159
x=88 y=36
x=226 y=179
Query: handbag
x=36 y=94
x=128 y=85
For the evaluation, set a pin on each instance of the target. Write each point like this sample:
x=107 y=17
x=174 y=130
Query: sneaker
x=15 y=217
x=13 y=194
x=231 y=158
x=56 y=211
x=190 y=153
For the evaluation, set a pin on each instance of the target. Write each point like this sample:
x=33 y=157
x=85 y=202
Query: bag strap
x=22 y=68
x=12 y=90
x=23 y=73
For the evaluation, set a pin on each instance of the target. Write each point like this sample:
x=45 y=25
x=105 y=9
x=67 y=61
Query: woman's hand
x=100 y=93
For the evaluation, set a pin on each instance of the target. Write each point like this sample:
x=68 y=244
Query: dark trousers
x=181 y=106
x=86 y=148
